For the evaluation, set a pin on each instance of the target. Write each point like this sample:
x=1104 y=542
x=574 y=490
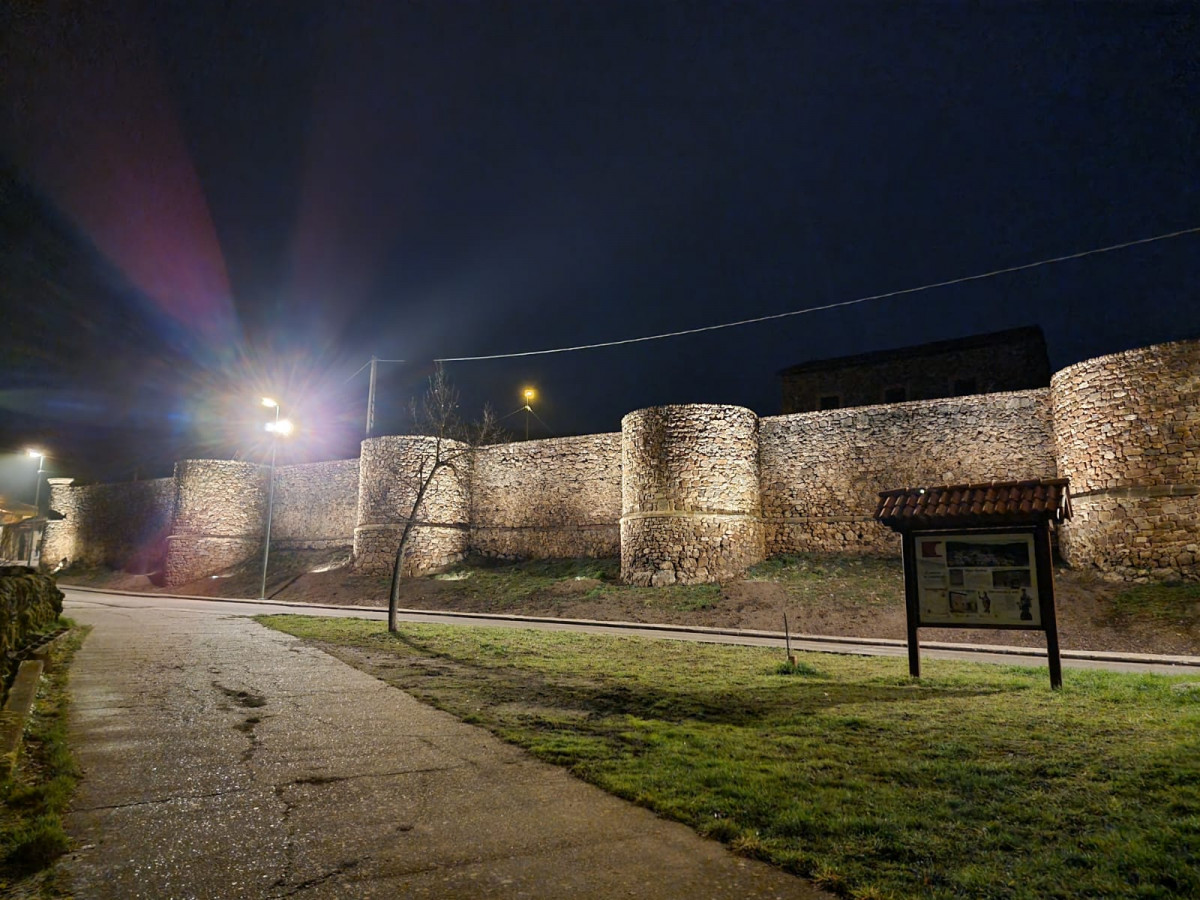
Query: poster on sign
x=977 y=579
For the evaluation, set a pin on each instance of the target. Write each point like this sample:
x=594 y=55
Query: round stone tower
x=390 y=473
x=1127 y=435
x=690 y=501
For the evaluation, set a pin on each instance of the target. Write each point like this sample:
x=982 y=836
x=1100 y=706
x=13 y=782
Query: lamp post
x=277 y=428
x=529 y=394
x=37 y=495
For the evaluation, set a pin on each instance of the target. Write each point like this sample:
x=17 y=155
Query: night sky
x=203 y=203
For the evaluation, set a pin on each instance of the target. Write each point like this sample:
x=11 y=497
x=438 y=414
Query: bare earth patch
x=821 y=595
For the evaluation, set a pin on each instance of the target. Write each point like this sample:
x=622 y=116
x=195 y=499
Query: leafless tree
x=436 y=415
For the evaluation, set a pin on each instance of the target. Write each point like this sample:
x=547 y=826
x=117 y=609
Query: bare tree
x=436 y=415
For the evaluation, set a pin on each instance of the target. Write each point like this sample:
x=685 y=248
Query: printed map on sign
x=984 y=579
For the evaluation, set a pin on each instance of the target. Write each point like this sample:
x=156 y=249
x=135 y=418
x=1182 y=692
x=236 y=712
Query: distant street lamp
x=40 y=455
x=278 y=427
x=530 y=395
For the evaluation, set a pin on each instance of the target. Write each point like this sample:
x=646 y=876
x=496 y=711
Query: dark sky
x=202 y=203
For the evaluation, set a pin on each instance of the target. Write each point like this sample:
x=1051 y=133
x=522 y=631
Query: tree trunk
x=394 y=591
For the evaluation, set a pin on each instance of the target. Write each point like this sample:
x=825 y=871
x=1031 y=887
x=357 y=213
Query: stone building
x=1013 y=360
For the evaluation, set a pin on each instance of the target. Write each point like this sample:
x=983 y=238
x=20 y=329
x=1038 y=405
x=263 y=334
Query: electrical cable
x=544 y=425
x=812 y=309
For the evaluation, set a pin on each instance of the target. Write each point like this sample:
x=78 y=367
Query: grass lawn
x=978 y=781
x=37 y=794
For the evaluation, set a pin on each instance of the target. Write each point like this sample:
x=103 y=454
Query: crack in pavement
x=340 y=869
x=334 y=779
x=158 y=800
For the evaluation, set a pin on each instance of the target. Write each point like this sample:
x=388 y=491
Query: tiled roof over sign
x=959 y=505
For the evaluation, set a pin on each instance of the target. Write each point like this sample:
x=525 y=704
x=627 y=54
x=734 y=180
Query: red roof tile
x=994 y=503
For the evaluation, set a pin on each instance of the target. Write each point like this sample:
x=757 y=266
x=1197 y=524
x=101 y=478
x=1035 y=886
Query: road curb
x=16 y=711
x=999 y=649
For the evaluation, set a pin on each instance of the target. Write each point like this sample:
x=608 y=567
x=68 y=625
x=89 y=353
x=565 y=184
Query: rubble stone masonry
x=1127 y=433
x=689 y=494
x=697 y=493
x=391 y=470
x=220 y=508
x=120 y=525
x=548 y=498
x=822 y=471
x=316 y=505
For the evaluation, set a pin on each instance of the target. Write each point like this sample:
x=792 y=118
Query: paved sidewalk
x=225 y=760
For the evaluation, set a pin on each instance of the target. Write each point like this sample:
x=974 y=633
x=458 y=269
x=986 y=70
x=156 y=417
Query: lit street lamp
x=278 y=427
x=529 y=394
x=40 y=455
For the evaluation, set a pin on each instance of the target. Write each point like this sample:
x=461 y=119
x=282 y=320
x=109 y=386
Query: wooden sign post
x=978 y=556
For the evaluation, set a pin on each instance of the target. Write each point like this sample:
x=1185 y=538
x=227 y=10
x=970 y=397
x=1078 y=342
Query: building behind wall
x=1012 y=360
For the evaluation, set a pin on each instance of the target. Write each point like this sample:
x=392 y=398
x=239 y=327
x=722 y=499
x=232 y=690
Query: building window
x=895 y=394
x=830 y=401
x=964 y=386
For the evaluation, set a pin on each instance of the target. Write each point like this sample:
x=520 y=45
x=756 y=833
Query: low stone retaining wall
x=29 y=602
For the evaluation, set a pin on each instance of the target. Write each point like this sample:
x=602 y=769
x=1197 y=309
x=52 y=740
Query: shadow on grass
x=445 y=680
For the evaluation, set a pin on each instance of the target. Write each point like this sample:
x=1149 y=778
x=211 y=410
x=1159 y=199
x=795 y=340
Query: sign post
x=978 y=556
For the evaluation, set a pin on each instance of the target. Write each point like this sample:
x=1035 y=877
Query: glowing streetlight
x=277 y=428
x=40 y=456
x=529 y=394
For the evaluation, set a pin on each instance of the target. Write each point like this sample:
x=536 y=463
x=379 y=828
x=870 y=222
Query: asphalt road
x=222 y=759
x=1118 y=662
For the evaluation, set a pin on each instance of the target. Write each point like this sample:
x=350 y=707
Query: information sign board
x=994 y=578
x=983 y=580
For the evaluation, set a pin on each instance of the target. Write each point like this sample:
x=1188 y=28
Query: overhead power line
x=813 y=309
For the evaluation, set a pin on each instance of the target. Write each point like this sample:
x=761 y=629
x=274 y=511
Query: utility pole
x=529 y=394
x=371 y=399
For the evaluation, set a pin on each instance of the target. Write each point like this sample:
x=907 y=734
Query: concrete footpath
x=225 y=760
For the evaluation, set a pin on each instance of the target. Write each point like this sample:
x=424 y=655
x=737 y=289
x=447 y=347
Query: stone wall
x=549 y=498
x=220 y=509
x=689 y=494
x=123 y=526
x=695 y=493
x=316 y=505
x=822 y=471
x=390 y=475
x=30 y=602
x=1127 y=431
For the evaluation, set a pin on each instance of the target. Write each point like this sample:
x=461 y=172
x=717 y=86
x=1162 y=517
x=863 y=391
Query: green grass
x=977 y=781
x=814 y=577
x=37 y=794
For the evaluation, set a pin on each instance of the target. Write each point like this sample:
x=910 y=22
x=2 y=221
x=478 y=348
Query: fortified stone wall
x=697 y=493
x=689 y=494
x=124 y=526
x=1127 y=430
x=822 y=471
x=316 y=505
x=390 y=474
x=549 y=498
x=220 y=508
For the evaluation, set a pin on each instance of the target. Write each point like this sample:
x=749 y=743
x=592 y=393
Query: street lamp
x=40 y=455
x=529 y=394
x=277 y=428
